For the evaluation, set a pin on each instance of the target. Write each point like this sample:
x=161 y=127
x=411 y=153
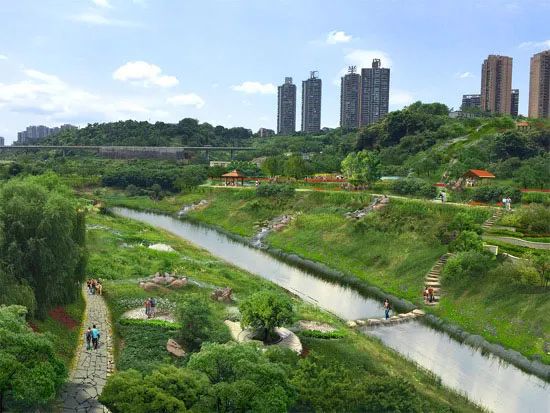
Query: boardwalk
x=92 y=366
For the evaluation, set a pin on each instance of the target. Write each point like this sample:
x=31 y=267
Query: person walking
x=387 y=308
x=88 y=338
x=426 y=295
x=99 y=288
x=153 y=306
x=147 y=304
x=508 y=203
x=430 y=295
x=95 y=337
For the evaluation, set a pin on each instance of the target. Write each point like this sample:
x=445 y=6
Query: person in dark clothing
x=89 y=339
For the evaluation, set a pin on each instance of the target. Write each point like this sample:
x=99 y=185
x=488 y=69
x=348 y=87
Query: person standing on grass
x=95 y=337
x=88 y=339
x=387 y=308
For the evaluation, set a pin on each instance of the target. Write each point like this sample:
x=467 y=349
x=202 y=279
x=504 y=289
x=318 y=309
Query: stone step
x=432 y=284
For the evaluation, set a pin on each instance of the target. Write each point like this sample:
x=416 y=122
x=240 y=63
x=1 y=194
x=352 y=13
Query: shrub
x=275 y=191
x=468 y=264
x=323 y=334
x=517 y=272
x=466 y=241
x=465 y=221
x=535 y=218
x=414 y=186
x=536 y=198
x=495 y=193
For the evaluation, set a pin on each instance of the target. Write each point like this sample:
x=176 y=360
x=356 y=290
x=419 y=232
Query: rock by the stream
x=223 y=294
x=188 y=208
x=166 y=280
x=161 y=247
x=174 y=348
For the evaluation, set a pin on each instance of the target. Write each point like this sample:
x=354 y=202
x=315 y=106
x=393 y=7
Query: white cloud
x=49 y=98
x=3 y=57
x=101 y=20
x=102 y=3
x=400 y=98
x=255 y=87
x=535 y=45
x=464 y=75
x=338 y=36
x=144 y=73
x=188 y=99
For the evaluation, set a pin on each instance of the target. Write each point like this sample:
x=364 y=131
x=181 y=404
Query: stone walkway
x=92 y=367
x=519 y=242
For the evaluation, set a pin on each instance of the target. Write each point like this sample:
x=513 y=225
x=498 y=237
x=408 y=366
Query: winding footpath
x=92 y=367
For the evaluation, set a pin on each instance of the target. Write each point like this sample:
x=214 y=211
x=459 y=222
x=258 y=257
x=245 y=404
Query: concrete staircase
x=487 y=225
x=432 y=278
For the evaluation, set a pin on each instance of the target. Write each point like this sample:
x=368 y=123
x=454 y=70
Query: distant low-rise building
x=220 y=163
x=265 y=133
x=472 y=101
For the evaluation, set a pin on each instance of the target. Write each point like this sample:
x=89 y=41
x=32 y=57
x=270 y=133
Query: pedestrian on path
x=426 y=294
x=88 y=339
x=147 y=304
x=387 y=308
x=95 y=337
x=431 y=295
x=153 y=305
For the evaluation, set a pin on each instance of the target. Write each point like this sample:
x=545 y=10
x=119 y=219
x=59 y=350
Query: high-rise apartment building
x=350 y=110
x=539 y=85
x=2 y=141
x=496 y=84
x=34 y=134
x=470 y=102
x=514 y=102
x=311 y=104
x=286 y=108
x=375 y=93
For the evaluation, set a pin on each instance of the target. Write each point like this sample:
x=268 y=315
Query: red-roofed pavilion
x=233 y=177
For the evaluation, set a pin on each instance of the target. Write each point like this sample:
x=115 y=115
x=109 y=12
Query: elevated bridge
x=130 y=152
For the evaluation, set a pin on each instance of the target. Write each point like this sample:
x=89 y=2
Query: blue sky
x=220 y=61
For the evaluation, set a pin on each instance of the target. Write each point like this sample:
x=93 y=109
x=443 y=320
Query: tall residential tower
x=514 y=102
x=375 y=93
x=311 y=104
x=496 y=84
x=539 y=85
x=349 y=99
x=286 y=108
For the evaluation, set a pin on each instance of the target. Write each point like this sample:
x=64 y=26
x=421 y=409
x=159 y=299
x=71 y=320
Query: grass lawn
x=116 y=254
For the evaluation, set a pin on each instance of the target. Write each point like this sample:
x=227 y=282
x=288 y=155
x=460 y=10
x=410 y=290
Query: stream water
x=487 y=380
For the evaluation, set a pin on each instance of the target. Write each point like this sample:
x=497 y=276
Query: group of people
x=150 y=307
x=429 y=295
x=92 y=338
x=94 y=287
x=507 y=203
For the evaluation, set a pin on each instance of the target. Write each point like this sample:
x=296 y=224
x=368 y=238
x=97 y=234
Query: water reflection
x=344 y=302
x=487 y=380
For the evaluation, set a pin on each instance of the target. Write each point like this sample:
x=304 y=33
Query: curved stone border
x=289 y=339
x=89 y=374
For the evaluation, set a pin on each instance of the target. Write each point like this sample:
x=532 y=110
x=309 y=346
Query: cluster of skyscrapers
x=34 y=134
x=497 y=95
x=364 y=99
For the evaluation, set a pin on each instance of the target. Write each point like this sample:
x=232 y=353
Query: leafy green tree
x=14 y=292
x=190 y=177
x=265 y=310
x=541 y=263
x=43 y=242
x=361 y=167
x=273 y=166
x=195 y=315
x=243 y=379
x=297 y=167
x=30 y=371
x=534 y=173
x=129 y=391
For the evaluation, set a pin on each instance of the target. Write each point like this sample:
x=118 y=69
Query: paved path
x=519 y=242
x=92 y=367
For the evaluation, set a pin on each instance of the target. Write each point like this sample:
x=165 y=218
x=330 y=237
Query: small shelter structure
x=475 y=176
x=232 y=178
x=523 y=125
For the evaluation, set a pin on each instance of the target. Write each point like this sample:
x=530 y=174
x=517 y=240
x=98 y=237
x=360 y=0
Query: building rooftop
x=480 y=173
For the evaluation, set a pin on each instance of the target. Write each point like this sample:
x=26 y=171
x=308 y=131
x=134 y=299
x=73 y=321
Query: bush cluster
x=275 y=191
x=536 y=198
x=414 y=186
x=468 y=265
x=495 y=193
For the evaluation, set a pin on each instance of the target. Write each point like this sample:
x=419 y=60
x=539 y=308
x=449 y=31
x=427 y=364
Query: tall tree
x=361 y=167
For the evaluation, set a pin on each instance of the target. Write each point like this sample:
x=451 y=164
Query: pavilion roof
x=234 y=174
x=480 y=173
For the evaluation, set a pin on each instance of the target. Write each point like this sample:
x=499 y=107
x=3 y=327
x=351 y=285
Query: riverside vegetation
x=404 y=240
x=220 y=376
